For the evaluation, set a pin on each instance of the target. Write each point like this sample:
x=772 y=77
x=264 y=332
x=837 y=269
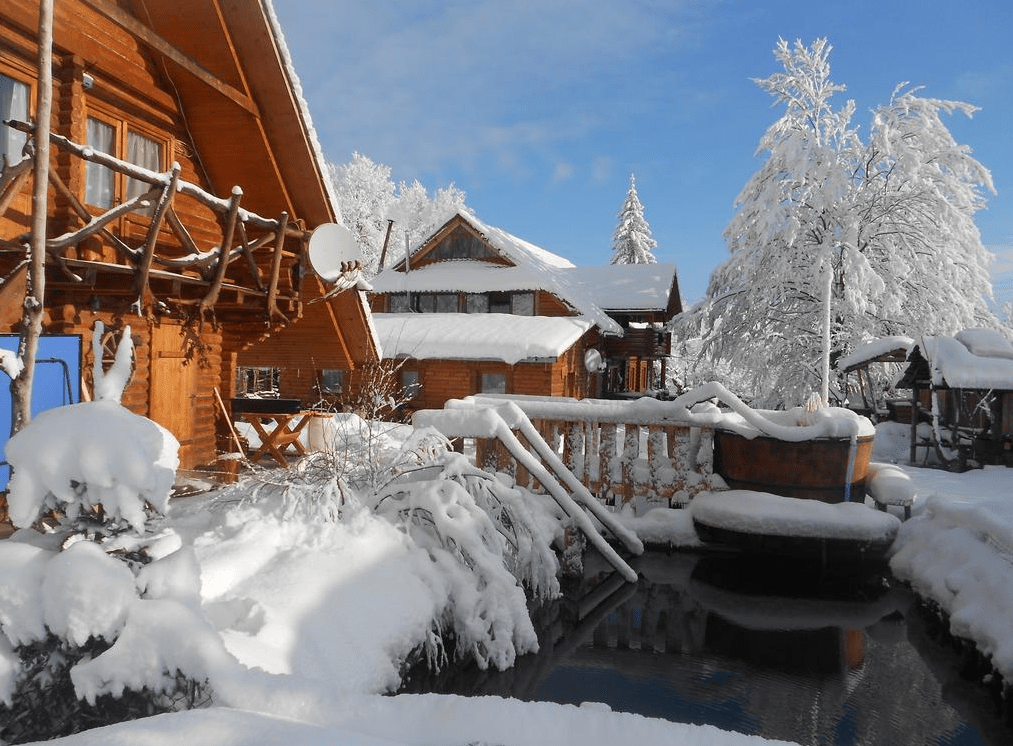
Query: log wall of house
x=102 y=70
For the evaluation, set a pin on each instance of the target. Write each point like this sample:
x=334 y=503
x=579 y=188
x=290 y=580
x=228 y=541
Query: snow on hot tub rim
x=766 y=514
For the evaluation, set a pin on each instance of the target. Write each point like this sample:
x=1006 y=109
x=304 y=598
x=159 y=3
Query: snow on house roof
x=974 y=359
x=479 y=336
x=871 y=351
x=521 y=252
x=304 y=110
x=627 y=287
x=456 y=276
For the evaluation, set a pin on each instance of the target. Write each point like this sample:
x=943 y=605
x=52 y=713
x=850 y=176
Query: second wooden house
x=474 y=309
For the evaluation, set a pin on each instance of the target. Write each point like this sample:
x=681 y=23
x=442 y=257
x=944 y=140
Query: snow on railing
x=644 y=452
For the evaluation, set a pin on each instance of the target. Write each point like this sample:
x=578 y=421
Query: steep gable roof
x=528 y=267
x=228 y=63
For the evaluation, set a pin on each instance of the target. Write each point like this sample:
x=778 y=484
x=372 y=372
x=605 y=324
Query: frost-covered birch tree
x=838 y=240
x=632 y=241
x=370 y=198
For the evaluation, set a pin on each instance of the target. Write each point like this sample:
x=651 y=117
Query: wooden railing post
x=224 y=251
x=144 y=268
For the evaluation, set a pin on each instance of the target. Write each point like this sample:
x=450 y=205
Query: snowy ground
x=313 y=618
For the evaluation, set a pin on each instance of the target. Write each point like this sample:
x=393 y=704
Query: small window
x=477 y=303
x=500 y=303
x=332 y=381
x=259 y=382
x=99 y=180
x=494 y=383
x=411 y=384
x=524 y=304
x=13 y=105
x=398 y=303
x=446 y=303
x=147 y=153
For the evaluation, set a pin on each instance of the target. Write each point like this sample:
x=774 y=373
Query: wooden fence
x=619 y=452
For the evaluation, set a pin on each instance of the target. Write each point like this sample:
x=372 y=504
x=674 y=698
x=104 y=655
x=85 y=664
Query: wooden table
x=279 y=431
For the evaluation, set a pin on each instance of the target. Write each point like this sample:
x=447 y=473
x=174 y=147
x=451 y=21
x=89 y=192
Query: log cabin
x=185 y=180
x=473 y=309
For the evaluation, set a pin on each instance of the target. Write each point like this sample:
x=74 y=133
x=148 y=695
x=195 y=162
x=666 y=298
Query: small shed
x=969 y=383
x=867 y=395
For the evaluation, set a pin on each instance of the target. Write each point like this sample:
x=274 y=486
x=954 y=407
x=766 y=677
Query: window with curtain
x=99 y=181
x=147 y=153
x=13 y=105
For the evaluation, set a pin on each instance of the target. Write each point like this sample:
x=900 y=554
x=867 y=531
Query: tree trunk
x=21 y=387
x=828 y=284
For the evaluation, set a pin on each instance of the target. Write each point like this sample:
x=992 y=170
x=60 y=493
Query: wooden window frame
x=24 y=75
x=122 y=126
x=481 y=381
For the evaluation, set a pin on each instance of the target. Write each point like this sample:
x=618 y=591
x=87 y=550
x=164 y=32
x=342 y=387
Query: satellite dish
x=332 y=245
x=592 y=360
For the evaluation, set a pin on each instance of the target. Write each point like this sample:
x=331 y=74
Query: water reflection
x=757 y=647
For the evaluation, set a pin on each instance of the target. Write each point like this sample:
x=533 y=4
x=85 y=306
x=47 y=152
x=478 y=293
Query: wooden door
x=173 y=391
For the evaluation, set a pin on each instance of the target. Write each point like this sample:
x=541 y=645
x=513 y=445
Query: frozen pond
x=748 y=647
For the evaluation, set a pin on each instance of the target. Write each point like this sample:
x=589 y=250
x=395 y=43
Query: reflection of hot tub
x=815 y=469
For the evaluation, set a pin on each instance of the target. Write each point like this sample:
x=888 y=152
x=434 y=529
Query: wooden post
x=144 y=269
x=35 y=296
x=272 y=287
x=223 y=254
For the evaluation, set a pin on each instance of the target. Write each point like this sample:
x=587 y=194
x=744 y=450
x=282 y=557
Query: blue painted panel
x=57 y=382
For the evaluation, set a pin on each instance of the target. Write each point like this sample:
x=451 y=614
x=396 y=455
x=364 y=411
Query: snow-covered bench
x=889 y=485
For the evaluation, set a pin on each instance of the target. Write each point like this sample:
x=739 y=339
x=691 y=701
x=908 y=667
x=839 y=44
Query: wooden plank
x=164 y=48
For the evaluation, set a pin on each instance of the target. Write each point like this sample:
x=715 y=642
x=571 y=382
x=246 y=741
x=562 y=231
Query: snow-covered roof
x=874 y=350
x=480 y=336
x=591 y=291
x=627 y=287
x=974 y=359
x=519 y=251
x=456 y=276
x=303 y=107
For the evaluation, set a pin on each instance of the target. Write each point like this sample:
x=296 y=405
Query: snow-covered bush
x=487 y=541
x=93 y=628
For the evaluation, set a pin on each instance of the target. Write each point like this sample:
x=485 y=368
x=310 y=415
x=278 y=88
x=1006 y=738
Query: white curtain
x=13 y=105
x=98 y=190
x=145 y=152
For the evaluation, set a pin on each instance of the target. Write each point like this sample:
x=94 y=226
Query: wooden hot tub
x=814 y=469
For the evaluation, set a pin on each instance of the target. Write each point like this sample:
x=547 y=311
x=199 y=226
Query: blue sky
x=540 y=110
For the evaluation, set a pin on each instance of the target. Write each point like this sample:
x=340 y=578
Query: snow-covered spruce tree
x=369 y=199
x=88 y=606
x=837 y=241
x=632 y=241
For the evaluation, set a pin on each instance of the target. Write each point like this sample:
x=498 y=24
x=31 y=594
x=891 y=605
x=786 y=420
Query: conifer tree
x=632 y=241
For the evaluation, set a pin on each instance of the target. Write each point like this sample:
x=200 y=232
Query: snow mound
x=59 y=463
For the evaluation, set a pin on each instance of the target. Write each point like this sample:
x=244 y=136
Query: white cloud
x=473 y=84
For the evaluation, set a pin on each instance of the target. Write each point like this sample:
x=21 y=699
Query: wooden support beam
x=272 y=288
x=12 y=181
x=224 y=253
x=144 y=268
x=86 y=217
x=251 y=263
x=162 y=47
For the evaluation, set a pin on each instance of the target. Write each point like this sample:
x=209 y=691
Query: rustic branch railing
x=620 y=453
x=210 y=265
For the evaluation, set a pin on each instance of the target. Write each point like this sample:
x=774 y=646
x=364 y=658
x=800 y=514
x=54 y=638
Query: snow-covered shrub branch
x=487 y=541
